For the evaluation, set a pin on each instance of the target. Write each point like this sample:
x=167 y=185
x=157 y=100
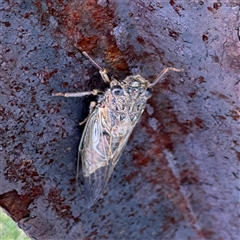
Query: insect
x=108 y=127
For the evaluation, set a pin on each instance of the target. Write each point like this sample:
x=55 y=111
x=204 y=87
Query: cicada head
x=130 y=95
x=134 y=85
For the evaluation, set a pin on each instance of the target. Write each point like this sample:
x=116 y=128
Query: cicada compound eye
x=148 y=92
x=117 y=90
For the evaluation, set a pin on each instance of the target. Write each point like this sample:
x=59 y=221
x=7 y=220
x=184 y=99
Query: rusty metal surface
x=179 y=175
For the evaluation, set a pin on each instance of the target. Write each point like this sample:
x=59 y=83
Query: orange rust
x=114 y=55
x=89 y=26
x=87 y=43
x=102 y=17
x=39 y=6
x=120 y=66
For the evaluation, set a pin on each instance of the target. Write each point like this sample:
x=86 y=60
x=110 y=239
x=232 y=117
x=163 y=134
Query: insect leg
x=163 y=72
x=91 y=108
x=77 y=94
x=81 y=94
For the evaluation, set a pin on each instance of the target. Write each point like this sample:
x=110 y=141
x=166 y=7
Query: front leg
x=91 y=108
x=77 y=94
x=81 y=94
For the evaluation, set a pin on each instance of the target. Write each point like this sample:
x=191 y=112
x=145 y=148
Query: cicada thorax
x=122 y=105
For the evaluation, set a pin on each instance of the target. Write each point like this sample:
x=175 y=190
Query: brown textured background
x=179 y=175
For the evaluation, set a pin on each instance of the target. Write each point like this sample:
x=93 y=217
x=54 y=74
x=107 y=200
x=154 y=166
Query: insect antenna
x=94 y=63
x=103 y=71
x=163 y=72
x=87 y=56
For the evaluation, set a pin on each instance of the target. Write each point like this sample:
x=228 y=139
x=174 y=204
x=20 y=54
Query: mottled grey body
x=112 y=122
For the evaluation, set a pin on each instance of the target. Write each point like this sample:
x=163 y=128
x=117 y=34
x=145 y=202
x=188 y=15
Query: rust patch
x=222 y=96
x=88 y=26
x=20 y=170
x=17 y=205
x=192 y=94
x=204 y=37
x=198 y=122
x=234 y=114
x=85 y=42
x=238 y=155
x=24 y=171
x=173 y=34
x=114 y=56
x=217 y=5
x=172 y=2
x=187 y=177
x=212 y=10
x=27 y=15
x=39 y=6
x=46 y=75
x=208 y=234
x=141 y=159
x=200 y=79
x=130 y=176
x=7 y=24
x=141 y=40
x=177 y=7
x=63 y=210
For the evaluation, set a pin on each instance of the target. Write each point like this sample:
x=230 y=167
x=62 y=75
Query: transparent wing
x=98 y=154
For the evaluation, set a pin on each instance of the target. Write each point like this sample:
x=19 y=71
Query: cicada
x=108 y=127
